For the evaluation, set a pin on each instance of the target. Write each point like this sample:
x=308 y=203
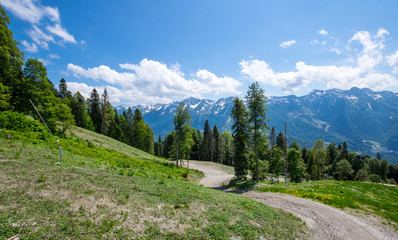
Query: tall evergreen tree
x=240 y=128
x=272 y=137
x=94 y=110
x=217 y=145
x=257 y=117
x=345 y=150
x=227 y=146
x=305 y=154
x=281 y=142
x=160 y=146
x=137 y=130
x=79 y=110
x=195 y=150
x=106 y=112
x=63 y=89
x=205 y=153
x=181 y=120
x=168 y=145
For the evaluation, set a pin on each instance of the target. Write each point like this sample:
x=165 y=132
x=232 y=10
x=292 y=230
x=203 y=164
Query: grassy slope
x=371 y=198
x=103 y=193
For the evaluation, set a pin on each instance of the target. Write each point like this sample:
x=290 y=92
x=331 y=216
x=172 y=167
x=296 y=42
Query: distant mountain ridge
x=366 y=120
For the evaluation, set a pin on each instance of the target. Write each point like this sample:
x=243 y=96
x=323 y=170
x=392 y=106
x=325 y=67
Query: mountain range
x=366 y=120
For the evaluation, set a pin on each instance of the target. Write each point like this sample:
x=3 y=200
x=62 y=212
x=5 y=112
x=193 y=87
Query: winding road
x=324 y=222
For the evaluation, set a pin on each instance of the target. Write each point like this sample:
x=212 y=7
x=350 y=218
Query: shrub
x=362 y=175
x=375 y=178
x=19 y=122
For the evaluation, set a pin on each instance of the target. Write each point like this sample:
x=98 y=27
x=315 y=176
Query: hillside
x=106 y=189
x=365 y=119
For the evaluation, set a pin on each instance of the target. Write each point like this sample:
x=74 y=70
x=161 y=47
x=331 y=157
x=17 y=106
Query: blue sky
x=147 y=52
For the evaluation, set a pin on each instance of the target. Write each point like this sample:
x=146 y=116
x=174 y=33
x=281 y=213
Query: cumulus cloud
x=45 y=20
x=154 y=82
x=30 y=47
x=323 y=32
x=393 y=61
x=361 y=73
x=287 y=44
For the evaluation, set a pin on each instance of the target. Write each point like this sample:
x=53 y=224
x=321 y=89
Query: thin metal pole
x=59 y=147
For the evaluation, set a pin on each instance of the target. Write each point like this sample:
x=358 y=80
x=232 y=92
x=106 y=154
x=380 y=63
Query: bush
x=362 y=175
x=375 y=178
x=19 y=122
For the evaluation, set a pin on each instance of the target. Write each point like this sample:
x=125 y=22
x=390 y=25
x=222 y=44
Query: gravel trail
x=324 y=222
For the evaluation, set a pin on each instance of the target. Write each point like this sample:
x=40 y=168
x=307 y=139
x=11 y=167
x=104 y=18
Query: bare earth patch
x=325 y=222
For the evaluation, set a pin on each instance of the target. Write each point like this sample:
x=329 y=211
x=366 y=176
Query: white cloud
x=153 y=82
x=393 y=61
x=44 y=61
x=45 y=20
x=30 y=47
x=361 y=73
x=54 y=56
x=39 y=37
x=61 y=32
x=323 y=32
x=26 y=10
x=286 y=44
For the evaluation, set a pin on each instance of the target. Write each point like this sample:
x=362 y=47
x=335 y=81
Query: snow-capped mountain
x=366 y=120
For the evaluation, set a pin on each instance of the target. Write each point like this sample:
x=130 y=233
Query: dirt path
x=325 y=222
x=215 y=175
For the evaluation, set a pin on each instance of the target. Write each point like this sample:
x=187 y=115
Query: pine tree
x=94 y=106
x=137 y=129
x=345 y=150
x=281 y=142
x=305 y=154
x=63 y=89
x=182 y=119
x=205 y=153
x=79 y=110
x=227 y=148
x=240 y=128
x=217 y=145
x=257 y=117
x=160 y=146
x=168 y=145
x=272 y=136
x=195 y=150
x=106 y=112
x=148 y=140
